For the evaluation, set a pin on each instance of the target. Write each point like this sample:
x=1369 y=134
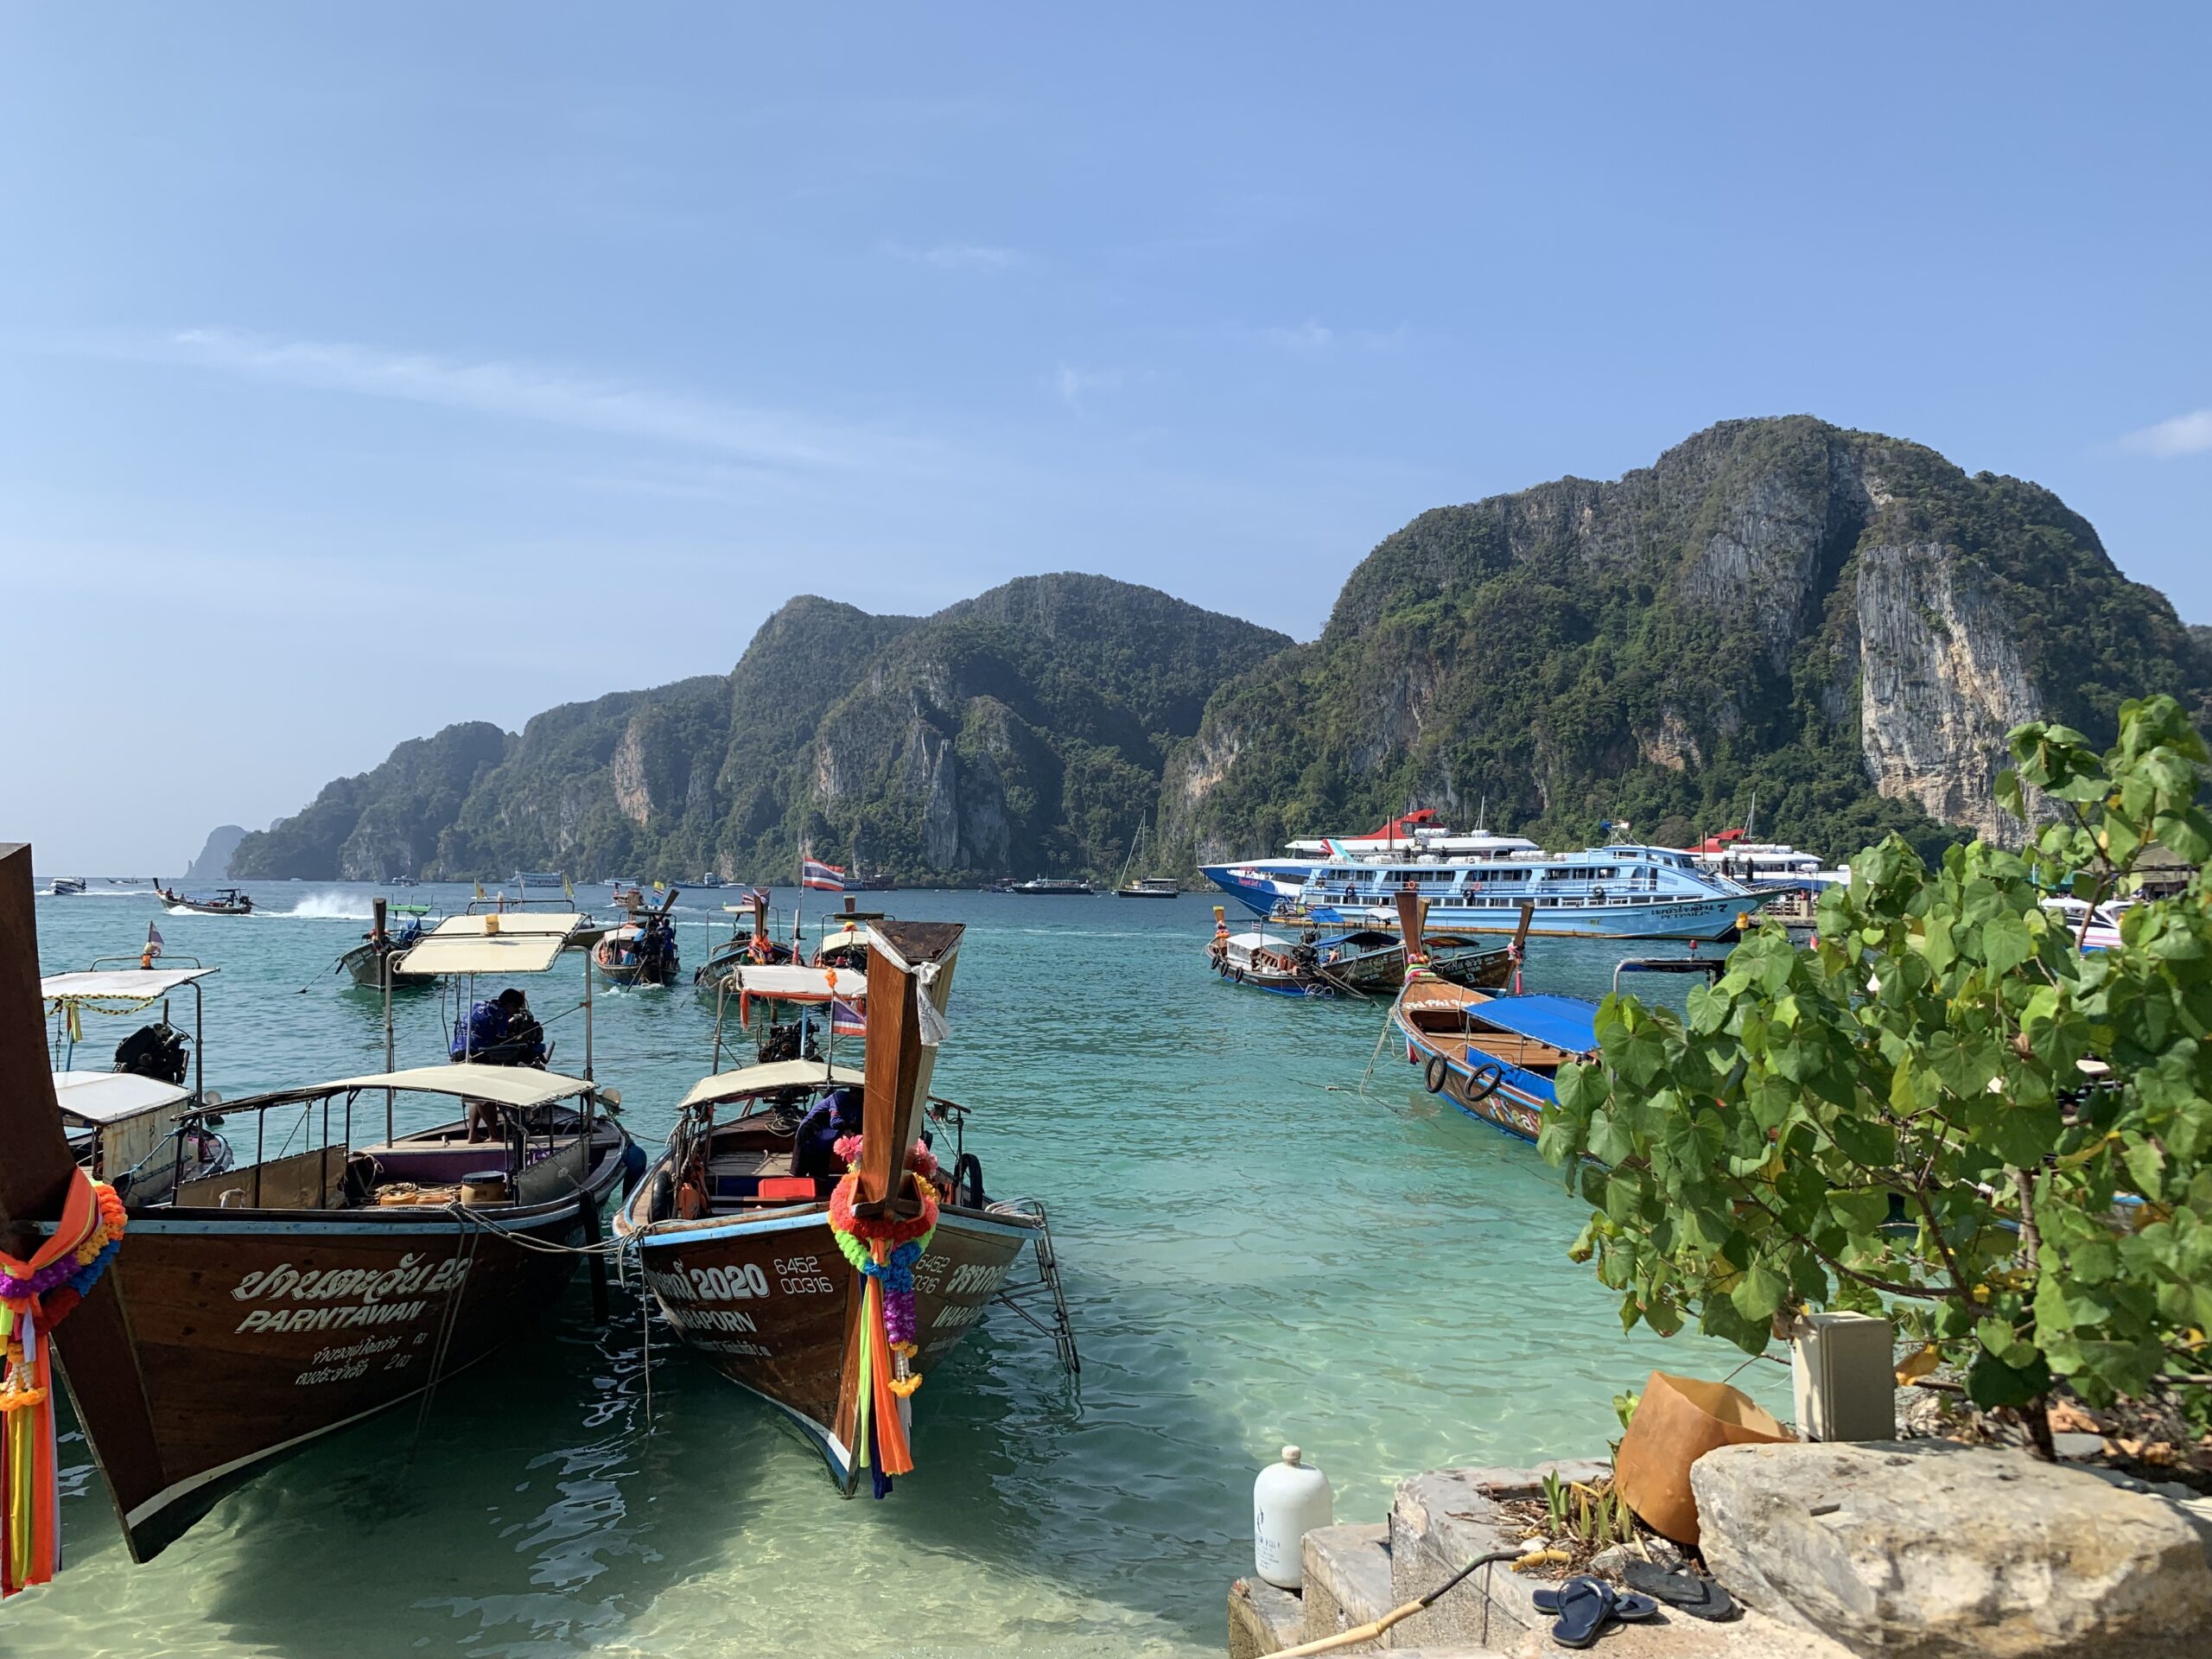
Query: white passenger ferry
x=1265 y=885
x=1620 y=891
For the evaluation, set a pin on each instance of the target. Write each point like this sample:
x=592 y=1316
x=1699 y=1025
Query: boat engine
x=156 y=1050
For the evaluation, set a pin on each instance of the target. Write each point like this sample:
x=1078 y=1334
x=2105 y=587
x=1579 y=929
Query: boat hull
x=1260 y=888
x=365 y=964
x=258 y=1332
x=1689 y=919
x=1516 y=1105
x=1476 y=970
x=764 y=1298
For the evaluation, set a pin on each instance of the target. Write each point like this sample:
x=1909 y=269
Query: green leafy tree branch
x=1945 y=1110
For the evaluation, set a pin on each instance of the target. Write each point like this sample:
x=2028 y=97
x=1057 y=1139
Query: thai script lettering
x=412 y=1276
x=976 y=1279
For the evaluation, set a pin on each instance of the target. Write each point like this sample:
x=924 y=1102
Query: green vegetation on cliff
x=1840 y=624
x=1844 y=624
x=1022 y=730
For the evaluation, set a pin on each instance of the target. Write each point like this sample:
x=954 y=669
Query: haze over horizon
x=364 y=373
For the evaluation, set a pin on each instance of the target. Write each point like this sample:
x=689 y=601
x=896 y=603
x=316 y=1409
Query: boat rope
x=1374 y=1627
x=645 y=1334
x=1381 y=1037
x=449 y=1319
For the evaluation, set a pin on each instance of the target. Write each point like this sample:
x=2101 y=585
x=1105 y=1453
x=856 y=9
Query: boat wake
x=327 y=907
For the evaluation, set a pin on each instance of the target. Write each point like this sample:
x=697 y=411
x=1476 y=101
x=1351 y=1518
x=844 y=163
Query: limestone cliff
x=1022 y=730
x=1840 y=623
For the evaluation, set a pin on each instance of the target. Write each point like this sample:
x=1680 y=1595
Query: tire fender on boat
x=1432 y=1078
x=1485 y=1081
x=968 y=1181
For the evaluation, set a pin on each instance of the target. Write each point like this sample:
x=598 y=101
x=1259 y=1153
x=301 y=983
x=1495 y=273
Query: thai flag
x=846 y=1018
x=828 y=878
x=154 y=940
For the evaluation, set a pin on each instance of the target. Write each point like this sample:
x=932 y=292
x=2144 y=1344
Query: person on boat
x=814 y=1149
x=500 y=1032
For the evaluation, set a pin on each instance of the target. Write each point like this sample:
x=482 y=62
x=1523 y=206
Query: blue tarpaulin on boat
x=1566 y=1022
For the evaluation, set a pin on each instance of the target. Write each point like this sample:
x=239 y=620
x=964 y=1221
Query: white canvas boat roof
x=132 y=985
x=111 y=1096
x=483 y=953
x=506 y=922
x=793 y=984
x=771 y=1079
x=510 y=1085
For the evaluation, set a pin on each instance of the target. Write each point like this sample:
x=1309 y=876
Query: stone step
x=1347 y=1581
x=1262 y=1619
x=1444 y=1519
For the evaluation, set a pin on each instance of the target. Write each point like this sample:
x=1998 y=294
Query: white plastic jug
x=1289 y=1500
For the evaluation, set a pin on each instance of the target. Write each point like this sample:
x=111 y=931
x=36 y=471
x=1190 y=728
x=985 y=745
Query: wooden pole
x=93 y=1345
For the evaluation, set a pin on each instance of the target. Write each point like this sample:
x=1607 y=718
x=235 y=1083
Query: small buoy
x=1289 y=1499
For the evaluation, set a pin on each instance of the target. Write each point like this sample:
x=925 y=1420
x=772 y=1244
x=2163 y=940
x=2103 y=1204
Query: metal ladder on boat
x=1022 y=1297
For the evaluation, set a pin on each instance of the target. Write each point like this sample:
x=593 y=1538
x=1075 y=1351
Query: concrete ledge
x=1441 y=1520
x=1347 y=1581
x=1262 y=1619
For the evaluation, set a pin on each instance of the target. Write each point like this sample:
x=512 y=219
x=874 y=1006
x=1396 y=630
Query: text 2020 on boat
x=808 y=1246
x=286 y=1298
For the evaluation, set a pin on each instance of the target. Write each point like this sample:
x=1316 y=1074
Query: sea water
x=1269 y=1233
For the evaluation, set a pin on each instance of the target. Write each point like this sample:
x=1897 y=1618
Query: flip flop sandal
x=1699 y=1598
x=1585 y=1606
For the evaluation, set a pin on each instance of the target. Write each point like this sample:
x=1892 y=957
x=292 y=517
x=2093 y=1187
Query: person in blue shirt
x=814 y=1149
x=500 y=1032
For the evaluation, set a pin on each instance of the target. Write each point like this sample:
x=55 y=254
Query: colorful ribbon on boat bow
x=36 y=1295
x=883 y=1250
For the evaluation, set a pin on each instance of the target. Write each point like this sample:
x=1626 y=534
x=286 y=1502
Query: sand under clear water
x=1255 y=1252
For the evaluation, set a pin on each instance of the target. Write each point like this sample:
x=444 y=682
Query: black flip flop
x=1699 y=1598
x=1585 y=1606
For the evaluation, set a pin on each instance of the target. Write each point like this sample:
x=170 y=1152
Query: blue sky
x=364 y=370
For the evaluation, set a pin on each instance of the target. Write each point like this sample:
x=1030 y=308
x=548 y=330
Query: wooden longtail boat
x=287 y=1298
x=134 y=1126
x=747 y=944
x=1497 y=1058
x=734 y=1222
x=642 y=951
x=1318 y=962
x=1492 y=1057
x=223 y=901
x=371 y=962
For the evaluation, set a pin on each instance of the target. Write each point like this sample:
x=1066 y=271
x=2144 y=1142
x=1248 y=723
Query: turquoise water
x=1255 y=1252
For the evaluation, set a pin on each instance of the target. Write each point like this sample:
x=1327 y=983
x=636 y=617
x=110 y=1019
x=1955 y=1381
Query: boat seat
x=438 y=1162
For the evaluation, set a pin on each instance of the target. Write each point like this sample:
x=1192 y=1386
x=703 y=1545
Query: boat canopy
x=555 y=922
x=1565 y=1022
x=771 y=1080
x=125 y=988
x=783 y=983
x=112 y=1097
x=483 y=953
x=509 y=1085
